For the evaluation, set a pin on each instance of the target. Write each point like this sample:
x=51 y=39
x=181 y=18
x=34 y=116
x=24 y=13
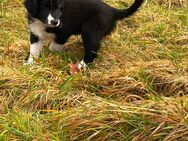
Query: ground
x=135 y=90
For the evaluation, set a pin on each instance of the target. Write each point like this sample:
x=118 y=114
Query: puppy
x=57 y=20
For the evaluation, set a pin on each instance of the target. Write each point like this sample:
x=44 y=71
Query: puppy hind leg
x=91 y=45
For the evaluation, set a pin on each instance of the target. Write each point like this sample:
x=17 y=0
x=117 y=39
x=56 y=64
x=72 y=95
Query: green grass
x=136 y=89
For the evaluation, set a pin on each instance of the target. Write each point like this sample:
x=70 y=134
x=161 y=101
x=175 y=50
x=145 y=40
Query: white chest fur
x=38 y=28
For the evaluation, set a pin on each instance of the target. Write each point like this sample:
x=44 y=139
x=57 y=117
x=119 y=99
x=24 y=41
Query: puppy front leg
x=60 y=39
x=36 y=46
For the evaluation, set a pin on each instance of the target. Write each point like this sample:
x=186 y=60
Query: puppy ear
x=31 y=6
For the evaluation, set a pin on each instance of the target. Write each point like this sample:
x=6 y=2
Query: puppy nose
x=54 y=22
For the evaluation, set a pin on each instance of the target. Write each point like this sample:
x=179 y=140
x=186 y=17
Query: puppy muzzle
x=52 y=22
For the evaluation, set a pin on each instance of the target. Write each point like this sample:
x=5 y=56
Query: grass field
x=135 y=91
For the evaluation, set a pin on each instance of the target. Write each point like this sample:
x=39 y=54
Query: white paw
x=56 y=47
x=30 y=61
x=82 y=65
x=76 y=68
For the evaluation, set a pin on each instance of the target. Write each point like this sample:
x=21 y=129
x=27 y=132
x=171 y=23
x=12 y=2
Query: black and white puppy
x=57 y=20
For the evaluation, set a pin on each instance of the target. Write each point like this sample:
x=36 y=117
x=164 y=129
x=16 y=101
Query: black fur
x=33 y=38
x=32 y=6
x=93 y=19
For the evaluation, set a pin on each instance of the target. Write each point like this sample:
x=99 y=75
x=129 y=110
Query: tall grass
x=136 y=89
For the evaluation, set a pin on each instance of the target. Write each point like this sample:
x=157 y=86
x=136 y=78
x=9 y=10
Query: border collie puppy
x=57 y=20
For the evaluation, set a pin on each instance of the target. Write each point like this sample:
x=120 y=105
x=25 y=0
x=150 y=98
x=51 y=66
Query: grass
x=136 y=89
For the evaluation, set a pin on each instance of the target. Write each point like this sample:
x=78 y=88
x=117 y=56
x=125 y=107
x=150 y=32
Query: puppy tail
x=120 y=14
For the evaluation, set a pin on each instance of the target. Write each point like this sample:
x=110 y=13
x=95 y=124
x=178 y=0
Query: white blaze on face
x=50 y=18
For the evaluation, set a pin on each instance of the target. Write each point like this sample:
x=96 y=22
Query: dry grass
x=136 y=90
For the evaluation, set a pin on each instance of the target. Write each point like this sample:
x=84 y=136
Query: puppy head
x=46 y=11
x=31 y=6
